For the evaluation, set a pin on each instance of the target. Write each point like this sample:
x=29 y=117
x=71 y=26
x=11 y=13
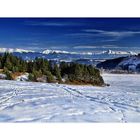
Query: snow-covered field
x=42 y=102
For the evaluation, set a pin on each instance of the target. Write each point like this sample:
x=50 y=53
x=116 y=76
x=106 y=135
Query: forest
x=42 y=70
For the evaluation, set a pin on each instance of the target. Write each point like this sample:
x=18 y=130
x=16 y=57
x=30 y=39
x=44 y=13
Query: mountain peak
x=54 y=51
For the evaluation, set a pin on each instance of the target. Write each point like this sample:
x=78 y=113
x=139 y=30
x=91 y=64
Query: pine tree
x=31 y=77
x=57 y=73
x=8 y=74
x=50 y=77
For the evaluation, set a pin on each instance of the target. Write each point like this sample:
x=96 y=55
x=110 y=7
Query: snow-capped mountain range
x=120 y=52
x=90 y=53
x=12 y=50
x=47 y=51
x=59 y=55
x=129 y=61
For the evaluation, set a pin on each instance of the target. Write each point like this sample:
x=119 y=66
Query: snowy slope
x=42 y=102
x=133 y=60
x=132 y=63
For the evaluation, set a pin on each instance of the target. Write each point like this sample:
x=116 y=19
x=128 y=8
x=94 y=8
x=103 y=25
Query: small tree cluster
x=81 y=73
x=71 y=72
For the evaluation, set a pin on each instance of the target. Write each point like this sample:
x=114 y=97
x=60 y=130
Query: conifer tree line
x=71 y=73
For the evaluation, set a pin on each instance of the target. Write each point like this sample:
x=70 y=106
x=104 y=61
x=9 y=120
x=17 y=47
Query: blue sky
x=71 y=34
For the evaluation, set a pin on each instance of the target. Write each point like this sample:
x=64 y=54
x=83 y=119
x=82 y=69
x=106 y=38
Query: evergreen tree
x=36 y=74
x=8 y=74
x=31 y=77
x=50 y=77
x=15 y=69
x=57 y=73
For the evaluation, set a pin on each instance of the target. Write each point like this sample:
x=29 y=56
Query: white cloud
x=46 y=24
x=51 y=23
x=118 y=34
x=104 y=36
x=94 y=47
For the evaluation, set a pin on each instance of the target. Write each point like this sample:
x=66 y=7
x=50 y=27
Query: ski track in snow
x=43 y=102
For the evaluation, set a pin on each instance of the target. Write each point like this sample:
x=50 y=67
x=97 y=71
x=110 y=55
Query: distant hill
x=110 y=64
x=129 y=64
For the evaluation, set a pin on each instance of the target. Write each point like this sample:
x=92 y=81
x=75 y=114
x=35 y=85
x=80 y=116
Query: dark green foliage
x=36 y=74
x=50 y=77
x=70 y=72
x=57 y=73
x=7 y=73
x=15 y=69
x=13 y=63
x=31 y=77
x=78 y=73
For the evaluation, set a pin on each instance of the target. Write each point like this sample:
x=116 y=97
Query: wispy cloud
x=51 y=23
x=104 y=36
x=98 y=46
x=117 y=34
x=81 y=34
x=95 y=37
x=45 y=24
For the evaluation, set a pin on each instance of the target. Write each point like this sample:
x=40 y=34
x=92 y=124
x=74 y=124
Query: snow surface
x=2 y=76
x=42 y=102
x=23 y=77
